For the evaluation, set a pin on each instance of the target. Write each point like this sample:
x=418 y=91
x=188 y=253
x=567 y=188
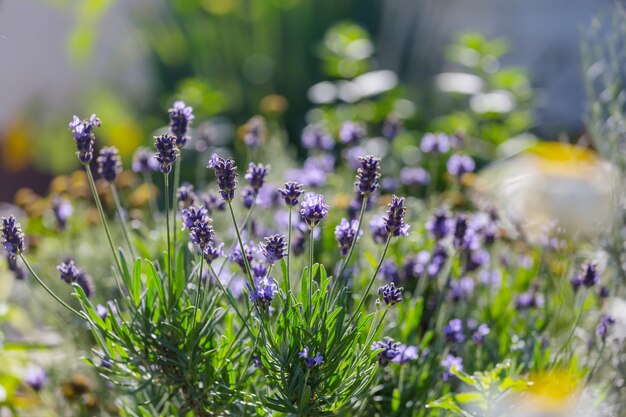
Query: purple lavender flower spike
x=405 y=354
x=590 y=276
x=181 y=117
x=351 y=133
x=479 y=334
x=166 y=153
x=144 y=161
x=602 y=331
x=274 y=248
x=263 y=292
x=68 y=270
x=439 y=225
x=86 y=283
x=346 y=233
x=378 y=227
x=12 y=236
x=185 y=196
x=316 y=137
x=255 y=176
x=367 y=175
x=237 y=257
x=291 y=193
x=36 y=377
x=391 y=127
x=62 y=210
x=391 y=295
x=394 y=222
x=193 y=216
x=199 y=224
x=313 y=209
x=83 y=137
x=459 y=165
x=393 y=351
x=454 y=331
x=226 y=174
x=255 y=132
x=248 y=196
x=448 y=363
x=109 y=163
x=435 y=143
x=212 y=252
x=318 y=359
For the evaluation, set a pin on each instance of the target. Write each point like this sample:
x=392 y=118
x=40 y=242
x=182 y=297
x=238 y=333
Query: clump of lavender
x=181 y=117
x=226 y=175
x=313 y=209
x=144 y=161
x=391 y=295
x=62 y=210
x=12 y=236
x=449 y=363
x=316 y=137
x=435 y=143
x=346 y=233
x=291 y=193
x=255 y=132
x=166 y=153
x=367 y=175
x=602 y=330
x=109 y=163
x=394 y=352
x=459 y=165
x=255 y=176
x=351 y=133
x=310 y=362
x=454 y=331
x=391 y=127
x=185 y=196
x=274 y=248
x=394 y=221
x=263 y=292
x=199 y=224
x=84 y=137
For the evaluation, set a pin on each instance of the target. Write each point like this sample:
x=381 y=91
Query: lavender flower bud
x=439 y=225
x=36 y=377
x=12 y=236
x=274 y=248
x=181 y=117
x=226 y=174
x=602 y=330
x=394 y=352
x=346 y=233
x=256 y=175
x=459 y=165
x=193 y=216
x=394 y=222
x=291 y=193
x=166 y=153
x=109 y=163
x=391 y=295
x=368 y=174
x=313 y=209
x=479 y=334
x=68 y=270
x=84 y=137
x=351 y=133
x=144 y=161
x=212 y=252
x=255 y=132
x=310 y=362
x=590 y=275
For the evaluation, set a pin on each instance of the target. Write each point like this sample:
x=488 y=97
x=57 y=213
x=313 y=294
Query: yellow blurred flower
x=15 y=147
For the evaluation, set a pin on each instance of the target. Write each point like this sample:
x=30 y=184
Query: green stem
x=197 y=300
x=49 y=291
x=311 y=247
x=174 y=191
x=232 y=246
x=371 y=282
x=167 y=228
x=92 y=185
x=243 y=251
x=288 y=277
x=120 y=213
x=353 y=243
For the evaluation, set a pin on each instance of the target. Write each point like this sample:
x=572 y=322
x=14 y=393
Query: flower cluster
x=109 y=163
x=83 y=137
x=12 y=236
x=198 y=222
x=391 y=295
x=166 y=153
x=226 y=175
x=274 y=248
x=181 y=117
x=368 y=175
x=70 y=273
x=394 y=222
x=313 y=209
x=255 y=132
x=310 y=362
x=346 y=235
x=144 y=161
x=291 y=193
x=394 y=352
x=263 y=292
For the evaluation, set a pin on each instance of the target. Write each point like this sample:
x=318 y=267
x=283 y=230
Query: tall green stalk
x=120 y=213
